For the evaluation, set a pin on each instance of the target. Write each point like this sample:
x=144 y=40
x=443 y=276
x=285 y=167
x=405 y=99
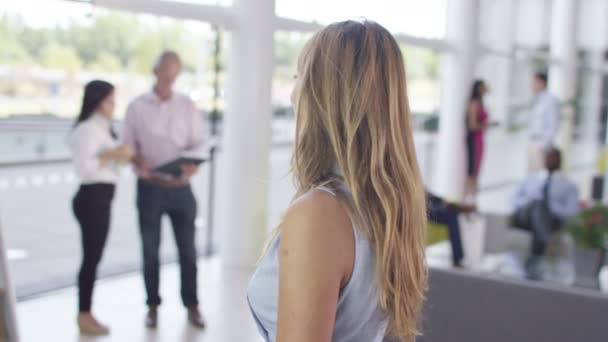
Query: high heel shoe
x=90 y=327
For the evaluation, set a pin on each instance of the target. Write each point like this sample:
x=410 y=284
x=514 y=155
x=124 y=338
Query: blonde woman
x=347 y=263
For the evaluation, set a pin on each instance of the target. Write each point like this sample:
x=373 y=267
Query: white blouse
x=88 y=141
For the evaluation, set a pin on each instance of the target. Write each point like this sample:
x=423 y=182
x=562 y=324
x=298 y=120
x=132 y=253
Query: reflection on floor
x=45 y=247
x=119 y=302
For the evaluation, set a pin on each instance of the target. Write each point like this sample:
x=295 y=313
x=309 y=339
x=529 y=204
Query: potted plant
x=589 y=229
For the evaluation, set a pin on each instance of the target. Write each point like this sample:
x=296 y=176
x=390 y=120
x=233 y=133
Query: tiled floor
x=119 y=302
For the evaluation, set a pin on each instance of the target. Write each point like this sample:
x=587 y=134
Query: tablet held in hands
x=174 y=167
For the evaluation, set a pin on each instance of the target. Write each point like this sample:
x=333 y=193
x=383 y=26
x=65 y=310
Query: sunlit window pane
x=420 y=18
x=49 y=52
x=204 y=2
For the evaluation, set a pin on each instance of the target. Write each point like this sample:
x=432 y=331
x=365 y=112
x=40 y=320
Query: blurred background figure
x=542 y=203
x=442 y=212
x=96 y=155
x=544 y=122
x=160 y=126
x=477 y=121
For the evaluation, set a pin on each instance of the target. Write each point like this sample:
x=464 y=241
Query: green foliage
x=420 y=63
x=57 y=56
x=107 y=42
x=287 y=48
x=12 y=51
x=111 y=42
x=590 y=228
x=106 y=61
x=436 y=233
x=34 y=40
x=146 y=51
x=116 y=34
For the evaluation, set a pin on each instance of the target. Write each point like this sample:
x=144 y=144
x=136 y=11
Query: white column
x=457 y=70
x=593 y=34
x=501 y=88
x=247 y=134
x=562 y=75
x=593 y=99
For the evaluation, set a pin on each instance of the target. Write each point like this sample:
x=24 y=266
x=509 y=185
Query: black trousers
x=153 y=201
x=471 y=155
x=92 y=206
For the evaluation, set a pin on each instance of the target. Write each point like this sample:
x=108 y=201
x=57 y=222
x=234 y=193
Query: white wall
x=593 y=24
x=533 y=22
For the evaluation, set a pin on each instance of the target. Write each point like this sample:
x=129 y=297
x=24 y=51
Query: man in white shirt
x=160 y=126
x=544 y=123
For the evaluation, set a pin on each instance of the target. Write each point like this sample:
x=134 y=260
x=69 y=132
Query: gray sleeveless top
x=359 y=317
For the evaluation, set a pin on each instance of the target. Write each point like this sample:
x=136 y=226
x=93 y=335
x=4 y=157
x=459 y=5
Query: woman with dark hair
x=477 y=121
x=96 y=155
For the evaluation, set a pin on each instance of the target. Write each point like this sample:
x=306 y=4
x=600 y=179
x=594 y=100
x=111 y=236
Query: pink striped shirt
x=161 y=130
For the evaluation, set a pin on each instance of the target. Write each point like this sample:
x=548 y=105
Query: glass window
x=204 y=2
x=415 y=17
x=287 y=49
x=422 y=81
x=422 y=72
x=50 y=51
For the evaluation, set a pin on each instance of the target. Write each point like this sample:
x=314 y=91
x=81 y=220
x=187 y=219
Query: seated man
x=543 y=202
x=446 y=213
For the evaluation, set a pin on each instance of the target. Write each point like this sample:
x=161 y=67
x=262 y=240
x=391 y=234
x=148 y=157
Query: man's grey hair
x=166 y=55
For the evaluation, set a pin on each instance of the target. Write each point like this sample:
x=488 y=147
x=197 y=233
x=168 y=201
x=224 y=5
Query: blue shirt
x=563 y=194
x=545 y=119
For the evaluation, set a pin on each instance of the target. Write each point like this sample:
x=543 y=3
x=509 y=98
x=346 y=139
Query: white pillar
x=562 y=75
x=247 y=134
x=593 y=99
x=593 y=34
x=457 y=70
x=504 y=35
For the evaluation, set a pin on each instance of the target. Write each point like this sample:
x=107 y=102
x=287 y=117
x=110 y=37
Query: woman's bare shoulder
x=318 y=222
x=317 y=209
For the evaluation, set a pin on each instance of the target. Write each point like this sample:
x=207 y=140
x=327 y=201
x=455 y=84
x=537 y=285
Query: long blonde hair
x=352 y=113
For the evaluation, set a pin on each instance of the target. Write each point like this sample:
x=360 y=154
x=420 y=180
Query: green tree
x=173 y=36
x=107 y=62
x=62 y=57
x=106 y=42
x=108 y=33
x=12 y=52
x=288 y=47
x=421 y=63
x=35 y=39
x=146 y=51
x=117 y=34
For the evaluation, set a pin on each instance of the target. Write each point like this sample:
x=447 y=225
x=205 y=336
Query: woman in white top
x=96 y=155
